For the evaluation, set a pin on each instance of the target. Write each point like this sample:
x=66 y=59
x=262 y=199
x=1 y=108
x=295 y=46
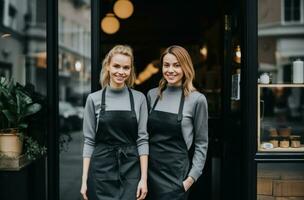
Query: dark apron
x=114 y=167
x=168 y=158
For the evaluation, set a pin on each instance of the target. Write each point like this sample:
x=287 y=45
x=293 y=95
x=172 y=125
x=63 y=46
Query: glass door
x=74 y=76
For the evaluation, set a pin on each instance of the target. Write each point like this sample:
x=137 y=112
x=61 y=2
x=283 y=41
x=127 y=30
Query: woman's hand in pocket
x=187 y=183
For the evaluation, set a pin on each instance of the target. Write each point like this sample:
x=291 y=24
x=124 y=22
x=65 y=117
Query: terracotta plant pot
x=10 y=143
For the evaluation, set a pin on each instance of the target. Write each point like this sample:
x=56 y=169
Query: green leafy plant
x=16 y=105
x=17 y=110
x=33 y=149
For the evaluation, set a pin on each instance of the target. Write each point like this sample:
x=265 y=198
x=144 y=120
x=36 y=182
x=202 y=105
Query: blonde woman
x=115 y=153
x=178 y=119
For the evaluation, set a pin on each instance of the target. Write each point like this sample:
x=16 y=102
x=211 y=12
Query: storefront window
x=23 y=61
x=74 y=36
x=280 y=88
x=281 y=115
x=23 y=44
x=280 y=99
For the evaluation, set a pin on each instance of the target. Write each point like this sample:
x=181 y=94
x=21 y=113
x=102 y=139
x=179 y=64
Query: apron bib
x=114 y=167
x=168 y=158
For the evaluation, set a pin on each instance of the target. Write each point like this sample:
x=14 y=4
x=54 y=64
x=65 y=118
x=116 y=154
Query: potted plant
x=16 y=109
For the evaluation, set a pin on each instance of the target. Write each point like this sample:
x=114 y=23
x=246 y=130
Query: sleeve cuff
x=143 y=149
x=194 y=174
x=87 y=151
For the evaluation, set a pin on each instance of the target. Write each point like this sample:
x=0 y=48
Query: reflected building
x=74 y=29
x=23 y=45
x=280 y=37
x=23 y=41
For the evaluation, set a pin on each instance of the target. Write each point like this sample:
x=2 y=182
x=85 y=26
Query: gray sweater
x=116 y=99
x=194 y=122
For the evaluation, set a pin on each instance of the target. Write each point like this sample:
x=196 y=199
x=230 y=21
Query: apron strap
x=131 y=99
x=180 y=109
x=103 y=100
x=155 y=102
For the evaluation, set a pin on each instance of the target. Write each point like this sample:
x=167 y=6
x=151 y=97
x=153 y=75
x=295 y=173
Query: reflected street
x=71 y=168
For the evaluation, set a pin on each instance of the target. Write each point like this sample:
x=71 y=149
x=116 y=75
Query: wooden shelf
x=281 y=85
x=278 y=149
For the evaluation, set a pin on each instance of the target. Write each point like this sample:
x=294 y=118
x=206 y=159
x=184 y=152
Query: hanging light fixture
x=238 y=54
x=123 y=9
x=110 y=24
x=204 y=52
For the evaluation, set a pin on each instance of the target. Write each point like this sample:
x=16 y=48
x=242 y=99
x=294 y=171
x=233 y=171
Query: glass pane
x=296 y=14
x=280 y=181
x=296 y=3
x=281 y=126
x=1 y=10
x=292 y=10
x=287 y=3
x=281 y=78
x=74 y=57
x=288 y=14
x=23 y=60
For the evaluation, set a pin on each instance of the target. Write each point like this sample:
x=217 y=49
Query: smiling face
x=119 y=70
x=172 y=70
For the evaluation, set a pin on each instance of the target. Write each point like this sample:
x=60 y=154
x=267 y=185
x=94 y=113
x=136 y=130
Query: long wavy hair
x=105 y=75
x=185 y=61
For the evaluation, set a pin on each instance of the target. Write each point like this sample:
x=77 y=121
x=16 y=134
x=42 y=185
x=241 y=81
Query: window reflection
x=74 y=66
x=281 y=120
x=292 y=10
x=280 y=37
x=280 y=43
x=23 y=59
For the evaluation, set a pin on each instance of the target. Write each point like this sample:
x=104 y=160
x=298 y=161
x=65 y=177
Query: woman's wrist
x=143 y=178
x=84 y=178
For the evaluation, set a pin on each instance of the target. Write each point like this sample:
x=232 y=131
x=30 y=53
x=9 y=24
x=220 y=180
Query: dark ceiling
x=162 y=22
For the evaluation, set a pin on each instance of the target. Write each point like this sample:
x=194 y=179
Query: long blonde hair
x=185 y=61
x=104 y=73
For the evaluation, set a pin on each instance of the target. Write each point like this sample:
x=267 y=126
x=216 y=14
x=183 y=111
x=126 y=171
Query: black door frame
x=248 y=91
x=52 y=101
x=249 y=95
x=95 y=43
x=52 y=87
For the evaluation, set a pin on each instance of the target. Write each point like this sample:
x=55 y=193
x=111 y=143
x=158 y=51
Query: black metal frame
x=53 y=99
x=248 y=96
x=279 y=157
x=96 y=43
x=52 y=86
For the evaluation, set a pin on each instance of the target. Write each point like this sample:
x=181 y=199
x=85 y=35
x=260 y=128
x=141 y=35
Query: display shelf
x=280 y=117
